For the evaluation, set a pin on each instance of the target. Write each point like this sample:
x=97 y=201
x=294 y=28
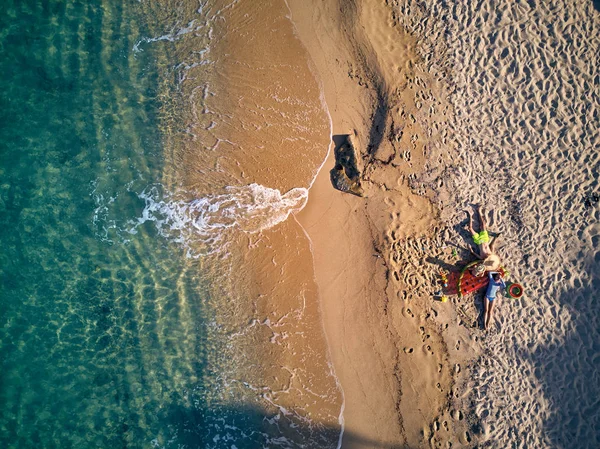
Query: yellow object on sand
x=444 y=298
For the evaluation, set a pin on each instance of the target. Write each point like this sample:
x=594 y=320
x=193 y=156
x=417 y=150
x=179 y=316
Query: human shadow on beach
x=443 y=265
x=462 y=228
x=567 y=369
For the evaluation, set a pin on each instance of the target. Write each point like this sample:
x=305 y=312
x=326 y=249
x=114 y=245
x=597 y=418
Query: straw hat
x=478 y=270
x=492 y=262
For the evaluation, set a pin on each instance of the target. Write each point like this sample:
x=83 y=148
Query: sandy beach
x=431 y=109
x=227 y=224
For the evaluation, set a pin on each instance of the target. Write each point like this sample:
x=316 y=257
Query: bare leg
x=481 y=218
x=485 y=311
x=490 y=313
x=493 y=243
x=470 y=223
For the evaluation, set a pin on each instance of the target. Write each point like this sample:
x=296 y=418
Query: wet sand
x=247 y=137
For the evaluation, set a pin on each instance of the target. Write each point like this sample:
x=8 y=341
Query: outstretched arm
x=491 y=277
x=475 y=254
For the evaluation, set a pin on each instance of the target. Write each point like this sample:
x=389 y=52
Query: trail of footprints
x=408 y=261
x=420 y=127
x=445 y=426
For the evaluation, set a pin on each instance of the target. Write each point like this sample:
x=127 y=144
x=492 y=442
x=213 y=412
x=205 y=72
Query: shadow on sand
x=567 y=368
x=569 y=371
x=250 y=428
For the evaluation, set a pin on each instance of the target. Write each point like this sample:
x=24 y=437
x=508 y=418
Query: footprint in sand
x=389 y=202
x=457 y=415
x=457 y=368
x=408 y=350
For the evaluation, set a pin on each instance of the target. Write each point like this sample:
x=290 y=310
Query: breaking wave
x=204 y=225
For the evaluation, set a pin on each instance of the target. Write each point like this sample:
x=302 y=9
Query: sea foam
x=205 y=225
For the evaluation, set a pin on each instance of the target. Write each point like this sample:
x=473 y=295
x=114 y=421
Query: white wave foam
x=211 y=220
x=173 y=36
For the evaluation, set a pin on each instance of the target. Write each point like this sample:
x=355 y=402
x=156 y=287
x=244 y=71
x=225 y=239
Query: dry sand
x=525 y=91
x=451 y=105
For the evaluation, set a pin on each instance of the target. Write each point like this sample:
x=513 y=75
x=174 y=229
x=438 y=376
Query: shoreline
x=391 y=396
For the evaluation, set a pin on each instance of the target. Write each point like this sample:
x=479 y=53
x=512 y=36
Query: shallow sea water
x=121 y=325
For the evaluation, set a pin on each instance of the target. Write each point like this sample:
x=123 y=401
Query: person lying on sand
x=490 y=295
x=487 y=248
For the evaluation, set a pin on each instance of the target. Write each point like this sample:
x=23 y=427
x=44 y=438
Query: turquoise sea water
x=101 y=341
x=109 y=334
